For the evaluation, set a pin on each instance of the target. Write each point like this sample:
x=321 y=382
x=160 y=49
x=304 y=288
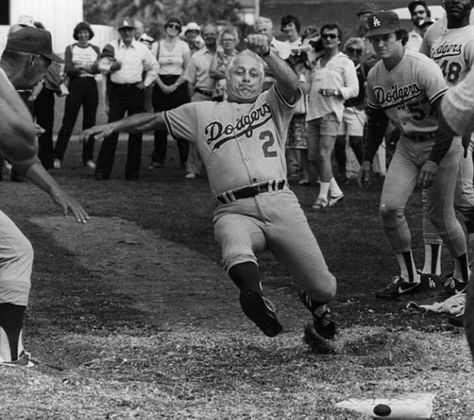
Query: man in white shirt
x=124 y=60
x=419 y=12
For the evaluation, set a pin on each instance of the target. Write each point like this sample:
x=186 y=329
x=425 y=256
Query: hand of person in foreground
x=98 y=132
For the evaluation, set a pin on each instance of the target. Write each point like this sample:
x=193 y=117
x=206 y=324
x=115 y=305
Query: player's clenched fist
x=258 y=43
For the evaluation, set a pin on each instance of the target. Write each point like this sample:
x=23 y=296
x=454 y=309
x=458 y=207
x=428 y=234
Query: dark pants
x=82 y=92
x=43 y=111
x=164 y=102
x=122 y=99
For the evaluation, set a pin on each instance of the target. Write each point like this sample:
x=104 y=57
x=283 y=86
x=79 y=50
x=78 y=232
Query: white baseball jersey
x=458 y=105
x=454 y=53
x=240 y=143
x=407 y=92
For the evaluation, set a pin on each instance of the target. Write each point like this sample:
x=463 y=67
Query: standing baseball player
x=405 y=87
x=454 y=53
x=242 y=143
x=457 y=112
x=25 y=60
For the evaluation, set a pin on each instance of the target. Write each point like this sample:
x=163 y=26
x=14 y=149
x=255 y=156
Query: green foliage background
x=154 y=13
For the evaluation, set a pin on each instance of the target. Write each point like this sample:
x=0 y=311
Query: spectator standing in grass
x=170 y=89
x=226 y=49
x=192 y=35
x=201 y=87
x=332 y=80
x=81 y=66
x=291 y=26
x=124 y=60
x=353 y=118
x=43 y=110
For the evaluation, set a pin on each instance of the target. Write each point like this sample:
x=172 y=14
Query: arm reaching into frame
x=137 y=123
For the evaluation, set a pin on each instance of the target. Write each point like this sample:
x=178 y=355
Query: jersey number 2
x=268 y=142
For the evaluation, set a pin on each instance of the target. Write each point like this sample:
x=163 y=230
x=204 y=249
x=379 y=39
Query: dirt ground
x=133 y=317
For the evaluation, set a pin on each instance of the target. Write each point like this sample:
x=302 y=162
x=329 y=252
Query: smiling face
x=419 y=15
x=244 y=78
x=209 y=34
x=290 y=31
x=173 y=29
x=83 y=36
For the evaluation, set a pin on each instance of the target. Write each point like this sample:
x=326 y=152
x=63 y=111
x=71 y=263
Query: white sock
x=334 y=188
x=324 y=190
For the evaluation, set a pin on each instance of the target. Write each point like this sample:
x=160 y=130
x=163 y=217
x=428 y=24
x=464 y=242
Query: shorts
x=326 y=126
x=352 y=123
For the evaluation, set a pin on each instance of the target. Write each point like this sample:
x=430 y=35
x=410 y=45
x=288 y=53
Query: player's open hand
x=363 y=177
x=258 y=43
x=69 y=205
x=427 y=174
x=98 y=132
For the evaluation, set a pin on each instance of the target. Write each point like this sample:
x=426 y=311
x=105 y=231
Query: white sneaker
x=23 y=361
x=90 y=164
x=190 y=175
x=57 y=164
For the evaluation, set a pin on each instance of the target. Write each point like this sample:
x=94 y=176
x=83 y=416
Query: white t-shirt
x=171 y=62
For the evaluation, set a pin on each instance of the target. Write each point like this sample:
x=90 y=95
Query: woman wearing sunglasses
x=332 y=80
x=171 y=89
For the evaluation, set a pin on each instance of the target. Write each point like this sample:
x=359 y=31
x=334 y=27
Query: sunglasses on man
x=329 y=36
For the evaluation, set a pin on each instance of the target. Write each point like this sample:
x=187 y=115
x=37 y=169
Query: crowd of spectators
x=187 y=63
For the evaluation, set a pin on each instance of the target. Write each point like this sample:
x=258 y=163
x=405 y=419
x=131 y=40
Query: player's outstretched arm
x=286 y=79
x=18 y=144
x=137 y=123
x=41 y=178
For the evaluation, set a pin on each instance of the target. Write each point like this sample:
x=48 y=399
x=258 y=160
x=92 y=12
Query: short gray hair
x=244 y=53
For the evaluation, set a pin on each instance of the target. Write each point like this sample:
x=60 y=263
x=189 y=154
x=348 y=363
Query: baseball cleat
x=453 y=286
x=90 y=164
x=323 y=323
x=260 y=311
x=335 y=199
x=320 y=203
x=23 y=361
x=456 y=320
x=400 y=287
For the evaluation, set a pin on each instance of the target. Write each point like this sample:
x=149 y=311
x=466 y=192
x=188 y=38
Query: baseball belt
x=204 y=92
x=420 y=138
x=250 y=191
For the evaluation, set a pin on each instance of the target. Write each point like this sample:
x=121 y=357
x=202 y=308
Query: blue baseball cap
x=382 y=23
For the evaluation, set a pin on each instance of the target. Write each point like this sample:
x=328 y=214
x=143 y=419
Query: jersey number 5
x=268 y=142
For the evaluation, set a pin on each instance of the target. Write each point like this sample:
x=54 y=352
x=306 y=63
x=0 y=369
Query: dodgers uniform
x=454 y=53
x=243 y=148
x=406 y=94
